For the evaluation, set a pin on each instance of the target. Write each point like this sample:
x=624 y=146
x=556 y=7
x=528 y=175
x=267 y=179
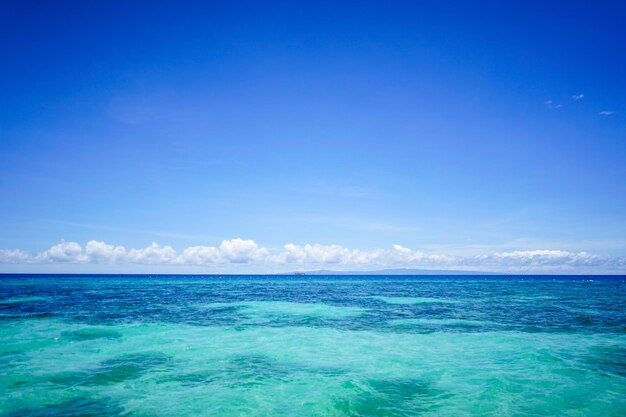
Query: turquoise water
x=322 y=346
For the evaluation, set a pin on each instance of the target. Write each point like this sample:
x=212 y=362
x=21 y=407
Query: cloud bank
x=291 y=257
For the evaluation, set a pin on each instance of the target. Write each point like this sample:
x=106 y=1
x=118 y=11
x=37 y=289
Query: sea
x=139 y=345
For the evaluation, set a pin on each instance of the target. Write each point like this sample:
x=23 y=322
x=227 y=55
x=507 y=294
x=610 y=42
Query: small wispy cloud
x=577 y=97
x=606 y=113
x=552 y=105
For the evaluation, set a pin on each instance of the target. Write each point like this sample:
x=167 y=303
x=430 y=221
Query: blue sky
x=452 y=129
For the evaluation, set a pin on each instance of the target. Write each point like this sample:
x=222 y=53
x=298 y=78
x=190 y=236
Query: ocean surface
x=312 y=346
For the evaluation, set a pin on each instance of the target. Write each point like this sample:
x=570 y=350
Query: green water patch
x=20 y=300
x=91 y=333
x=256 y=369
x=115 y=370
x=191 y=379
x=610 y=360
x=241 y=371
x=22 y=340
x=126 y=367
x=248 y=370
x=15 y=381
x=415 y=300
x=397 y=397
x=450 y=322
x=533 y=299
x=76 y=407
x=288 y=309
x=227 y=308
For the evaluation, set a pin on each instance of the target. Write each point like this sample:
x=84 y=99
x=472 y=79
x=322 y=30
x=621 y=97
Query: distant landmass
x=399 y=271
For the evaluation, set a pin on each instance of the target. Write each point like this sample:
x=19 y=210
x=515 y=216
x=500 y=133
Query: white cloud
x=97 y=251
x=329 y=255
x=606 y=113
x=64 y=252
x=200 y=255
x=313 y=256
x=236 y=251
x=14 y=256
x=552 y=105
x=241 y=251
x=153 y=254
x=542 y=258
x=577 y=97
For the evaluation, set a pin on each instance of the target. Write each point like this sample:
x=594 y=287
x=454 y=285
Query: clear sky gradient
x=453 y=128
